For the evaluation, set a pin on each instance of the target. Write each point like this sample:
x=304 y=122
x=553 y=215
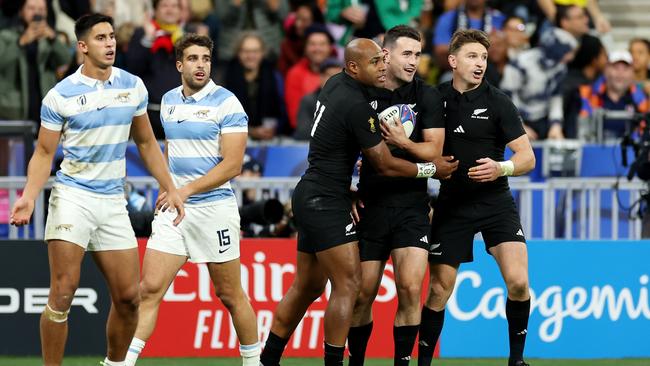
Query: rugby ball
x=405 y=115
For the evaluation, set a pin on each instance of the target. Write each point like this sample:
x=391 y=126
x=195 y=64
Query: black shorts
x=383 y=229
x=456 y=222
x=323 y=219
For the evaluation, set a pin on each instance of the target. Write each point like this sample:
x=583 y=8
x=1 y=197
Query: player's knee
x=518 y=288
x=62 y=293
x=409 y=292
x=310 y=291
x=128 y=300
x=149 y=289
x=230 y=296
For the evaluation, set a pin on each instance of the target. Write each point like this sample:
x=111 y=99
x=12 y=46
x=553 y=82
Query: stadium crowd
x=276 y=54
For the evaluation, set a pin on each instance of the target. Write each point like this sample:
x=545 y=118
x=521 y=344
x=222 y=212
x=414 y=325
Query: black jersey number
x=318 y=113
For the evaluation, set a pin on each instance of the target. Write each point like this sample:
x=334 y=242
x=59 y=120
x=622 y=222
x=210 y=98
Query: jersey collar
x=473 y=94
x=207 y=89
x=92 y=82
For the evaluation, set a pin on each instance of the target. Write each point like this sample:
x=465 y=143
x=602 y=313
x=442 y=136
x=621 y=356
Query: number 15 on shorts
x=224 y=240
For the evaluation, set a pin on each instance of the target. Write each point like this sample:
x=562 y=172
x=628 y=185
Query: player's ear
x=179 y=66
x=353 y=67
x=386 y=56
x=82 y=46
x=452 y=60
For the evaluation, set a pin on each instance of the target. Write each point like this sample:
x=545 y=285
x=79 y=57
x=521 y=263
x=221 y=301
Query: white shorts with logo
x=207 y=234
x=94 y=221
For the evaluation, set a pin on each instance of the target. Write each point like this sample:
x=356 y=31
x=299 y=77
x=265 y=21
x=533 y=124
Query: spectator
x=640 y=50
x=30 y=54
x=572 y=19
x=236 y=16
x=328 y=68
x=586 y=67
x=254 y=81
x=517 y=35
x=552 y=8
x=293 y=43
x=533 y=80
x=470 y=14
x=151 y=55
x=304 y=77
x=616 y=90
x=369 y=18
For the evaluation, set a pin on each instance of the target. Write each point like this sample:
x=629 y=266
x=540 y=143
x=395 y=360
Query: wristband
x=507 y=168
x=426 y=170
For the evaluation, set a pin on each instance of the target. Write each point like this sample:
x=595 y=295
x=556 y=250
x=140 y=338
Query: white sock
x=108 y=362
x=250 y=354
x=134 y=351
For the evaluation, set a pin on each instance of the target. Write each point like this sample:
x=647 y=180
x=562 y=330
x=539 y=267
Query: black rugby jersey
x=478 y=123
x=426 y=102
x=344 y=123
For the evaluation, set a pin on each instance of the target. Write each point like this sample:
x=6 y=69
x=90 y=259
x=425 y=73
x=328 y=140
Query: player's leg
x=158 y=272
x=512 y=258
x=65 y=266
x=410 y=265
x=410 y=250
x=442 y=278
x=226 y=278
x=505 y=241
x=307 y=286
x=121 y=270
x=361 y=327
x=341 y=264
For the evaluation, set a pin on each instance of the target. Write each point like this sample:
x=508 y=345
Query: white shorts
x=207 y=234
x=93 y=221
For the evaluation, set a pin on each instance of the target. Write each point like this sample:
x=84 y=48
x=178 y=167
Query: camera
x=38 y=18
x=639 y=139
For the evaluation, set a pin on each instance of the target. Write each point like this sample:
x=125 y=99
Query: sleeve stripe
x=234 y=129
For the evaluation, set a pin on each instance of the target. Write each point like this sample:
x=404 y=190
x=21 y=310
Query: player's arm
x=233 y=147
x=427 y=150
x=523 y=159
x=38 y=172
x=153 y=159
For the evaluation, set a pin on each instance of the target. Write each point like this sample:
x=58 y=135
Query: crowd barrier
x=589 y=300
x=568 y=208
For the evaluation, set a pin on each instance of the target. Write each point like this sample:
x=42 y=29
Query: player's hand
x=487 y=170
x=173 y=201
x=22 y=211
x=356 y=205
x=445 y=166
x=393 y=133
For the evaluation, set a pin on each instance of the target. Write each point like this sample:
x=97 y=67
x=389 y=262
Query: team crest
x=123 y=97
x=81 y=100
x=371 y=121
x=202 y=114
x=373 y=104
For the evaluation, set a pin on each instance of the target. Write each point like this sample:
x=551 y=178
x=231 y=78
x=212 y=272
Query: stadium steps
x=629 y=19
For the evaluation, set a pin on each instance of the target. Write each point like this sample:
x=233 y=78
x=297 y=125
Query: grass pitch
x=94 y=361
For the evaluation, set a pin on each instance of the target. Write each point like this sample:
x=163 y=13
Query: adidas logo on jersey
x=424 y=239
x=459 y=129
x=520 y=232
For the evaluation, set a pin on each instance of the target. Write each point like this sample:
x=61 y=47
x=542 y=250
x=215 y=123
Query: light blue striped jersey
x=193 y=128
x=94 y=118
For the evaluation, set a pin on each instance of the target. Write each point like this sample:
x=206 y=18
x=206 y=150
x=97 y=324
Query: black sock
x=273 y=350
x=404 y=338
x=430 y=328
x=334 y=355
x=357 y=342
x=517 y=313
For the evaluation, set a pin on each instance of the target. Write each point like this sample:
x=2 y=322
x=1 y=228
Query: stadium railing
x=559 y=208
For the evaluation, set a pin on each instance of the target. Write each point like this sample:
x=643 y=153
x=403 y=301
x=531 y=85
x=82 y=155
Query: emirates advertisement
x=193 y=322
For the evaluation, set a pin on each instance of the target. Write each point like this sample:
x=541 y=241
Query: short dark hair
x=462 y=37
x=399 y=31
x=192 y=39
x=86 y=22
x=562 y=13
